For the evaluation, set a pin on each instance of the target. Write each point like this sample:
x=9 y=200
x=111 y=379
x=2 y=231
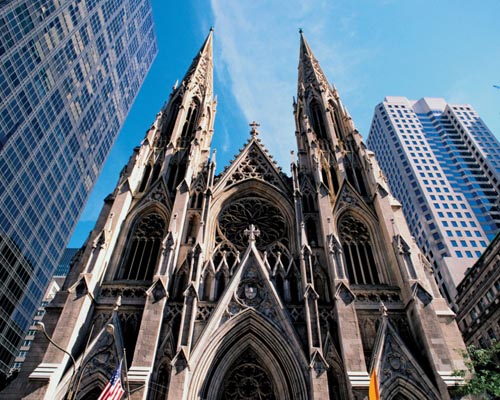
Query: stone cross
x=252 y=232
x=254 y=125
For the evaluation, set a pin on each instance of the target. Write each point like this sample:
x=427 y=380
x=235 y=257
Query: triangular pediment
x=250 y=289
x=199 y=183
x=81 y=287
x=157 y=193
x=101 y=356
x=254 y=162
x=306 y=185
x=349 y=198
x=395 y=365
x=158 y=290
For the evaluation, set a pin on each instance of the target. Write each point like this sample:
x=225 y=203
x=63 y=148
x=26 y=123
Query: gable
x=250 y=289
x=396 y=366
x=254 y=162
x=348 y=198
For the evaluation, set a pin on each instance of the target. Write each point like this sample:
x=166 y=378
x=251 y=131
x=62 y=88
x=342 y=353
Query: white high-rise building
x=443 y=164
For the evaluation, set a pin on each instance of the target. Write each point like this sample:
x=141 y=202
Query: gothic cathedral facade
x=248 y=284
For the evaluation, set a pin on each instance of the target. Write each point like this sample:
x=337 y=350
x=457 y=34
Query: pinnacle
x=202 y=63
x=308 y=62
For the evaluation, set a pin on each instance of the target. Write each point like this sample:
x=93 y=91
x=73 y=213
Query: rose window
x=237 y=216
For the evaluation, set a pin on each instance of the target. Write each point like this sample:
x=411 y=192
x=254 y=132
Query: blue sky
x=368 y=48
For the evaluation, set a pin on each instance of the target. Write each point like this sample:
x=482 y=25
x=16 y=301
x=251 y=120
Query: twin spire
x=201 y=69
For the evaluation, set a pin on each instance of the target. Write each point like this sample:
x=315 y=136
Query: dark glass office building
x=69 y=72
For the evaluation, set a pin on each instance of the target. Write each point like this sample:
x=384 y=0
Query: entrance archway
x=249 y=346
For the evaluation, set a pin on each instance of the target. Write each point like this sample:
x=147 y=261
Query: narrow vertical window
x=358 y=252
x=317 y=120
x=172 y=117
x=145 y=178
x=143 y=247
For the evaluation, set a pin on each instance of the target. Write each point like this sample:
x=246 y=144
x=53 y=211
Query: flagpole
x=373 y=388
x=126 y=372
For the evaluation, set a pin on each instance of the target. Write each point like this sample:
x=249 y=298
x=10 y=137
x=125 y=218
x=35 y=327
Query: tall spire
x=309 y=70
x=201 y=69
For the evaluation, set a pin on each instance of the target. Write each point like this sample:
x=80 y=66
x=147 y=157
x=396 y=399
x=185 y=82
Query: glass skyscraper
x=69 y=72
x=443 y=164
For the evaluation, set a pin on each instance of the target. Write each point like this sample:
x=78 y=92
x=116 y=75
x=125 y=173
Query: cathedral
x=250 y=283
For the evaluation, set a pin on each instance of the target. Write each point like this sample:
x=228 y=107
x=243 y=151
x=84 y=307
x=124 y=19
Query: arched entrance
x=249 y=357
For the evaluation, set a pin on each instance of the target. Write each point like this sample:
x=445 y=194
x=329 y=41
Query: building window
x=143 y=246
x=358 y=251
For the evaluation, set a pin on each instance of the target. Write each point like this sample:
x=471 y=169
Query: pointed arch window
x=333 y=173
x=312 y=233
x=189 y=127
x=354 y=171
x=317 y=120
x=143 y=246
x=177 y=170
x=159 y=390
x=207 y=286
x=221 y=281
x=334 y=112
x=156 y=172
x=172 y=117
x=358 y=251
x=192 y=228
x=145 y=178
x=309 y=203
x=181 y=281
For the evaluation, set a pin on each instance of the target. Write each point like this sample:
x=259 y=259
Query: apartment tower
x=443 y=164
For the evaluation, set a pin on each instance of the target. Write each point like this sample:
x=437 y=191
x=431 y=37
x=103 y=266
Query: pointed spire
x=309 y=70
x=201 y=69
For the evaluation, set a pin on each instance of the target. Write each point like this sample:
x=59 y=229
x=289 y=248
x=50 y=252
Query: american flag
x=113 y=390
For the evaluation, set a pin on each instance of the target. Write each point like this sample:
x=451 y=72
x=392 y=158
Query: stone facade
x=249 y=284
x=478 y=299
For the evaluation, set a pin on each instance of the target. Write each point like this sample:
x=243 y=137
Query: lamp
x=40 y=326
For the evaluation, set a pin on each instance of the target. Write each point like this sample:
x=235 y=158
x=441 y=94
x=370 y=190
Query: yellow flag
x=373 y=393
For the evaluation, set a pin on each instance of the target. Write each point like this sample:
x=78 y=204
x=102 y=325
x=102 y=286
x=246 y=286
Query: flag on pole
x=373 y=393
x=114 y=389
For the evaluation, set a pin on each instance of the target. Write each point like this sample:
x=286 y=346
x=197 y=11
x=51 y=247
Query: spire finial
x=300 y=30
x=254 y=125
x=212 y=28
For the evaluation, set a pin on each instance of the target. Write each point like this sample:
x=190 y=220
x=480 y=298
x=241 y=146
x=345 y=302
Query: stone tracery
x=255 y=166
x=248 y=380
x=144 y=248
x=239 y=214
x=358 y=251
